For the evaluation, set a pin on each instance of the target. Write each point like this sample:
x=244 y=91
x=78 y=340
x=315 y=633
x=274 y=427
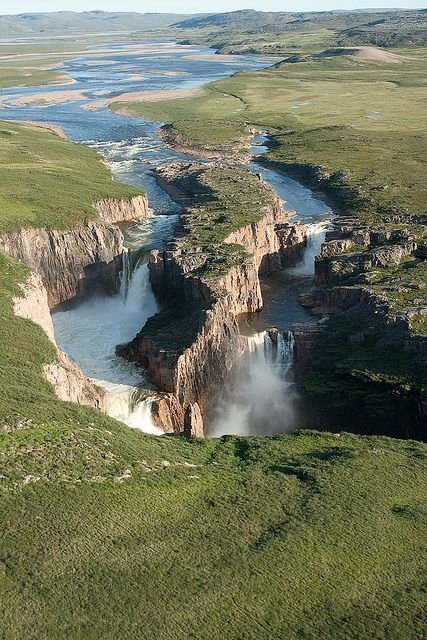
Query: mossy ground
x=50 y=182
x=307 y=535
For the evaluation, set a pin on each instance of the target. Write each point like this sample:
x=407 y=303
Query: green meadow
x=49 y=182
x=306 y=535
x=362 y=120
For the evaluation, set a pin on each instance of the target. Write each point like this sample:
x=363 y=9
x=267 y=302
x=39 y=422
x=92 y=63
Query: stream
x=90 y=332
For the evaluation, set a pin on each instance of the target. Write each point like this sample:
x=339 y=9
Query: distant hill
x=71 y=22
x=274 y=22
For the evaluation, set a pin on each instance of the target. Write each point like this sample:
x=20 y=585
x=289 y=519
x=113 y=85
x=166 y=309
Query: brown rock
x=193 y=422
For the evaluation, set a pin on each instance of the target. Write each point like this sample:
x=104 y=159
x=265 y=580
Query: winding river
x=90 y=332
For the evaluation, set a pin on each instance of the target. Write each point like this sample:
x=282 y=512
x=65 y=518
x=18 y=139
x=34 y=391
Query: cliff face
x=71 y=264
x=79 y=262
x=261 y=239
x=113 y=211
x=68 y=265
x=68 y=381
x=194 y=374
x=363 y=365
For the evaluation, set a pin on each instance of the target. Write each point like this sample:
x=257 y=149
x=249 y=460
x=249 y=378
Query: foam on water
x=90 y=332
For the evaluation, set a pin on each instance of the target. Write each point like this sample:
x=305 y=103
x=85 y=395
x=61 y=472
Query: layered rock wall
x=68 y=381
x=68 y=265
x=81 y=261
x=72 y=264
x=195 y=374
x=113 y=211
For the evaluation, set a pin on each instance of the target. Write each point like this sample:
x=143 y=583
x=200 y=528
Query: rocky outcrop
x=193 y=422
x=292 y=240
x=71 y=385
x=333 y=269
x=113 y=211
x=68 y=381
x=193 y=367
x=72 y=264
x=237 y=152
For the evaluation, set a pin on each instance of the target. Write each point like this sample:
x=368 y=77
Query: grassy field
x=297 y=536
x=308 y=535
x=49 y=182
x=29 y=76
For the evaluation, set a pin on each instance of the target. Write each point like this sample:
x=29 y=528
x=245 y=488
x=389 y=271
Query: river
x=90 y=332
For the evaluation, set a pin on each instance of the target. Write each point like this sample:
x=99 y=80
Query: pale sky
x=195 y=6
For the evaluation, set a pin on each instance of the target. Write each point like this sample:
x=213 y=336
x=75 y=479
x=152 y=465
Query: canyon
x=67 y=267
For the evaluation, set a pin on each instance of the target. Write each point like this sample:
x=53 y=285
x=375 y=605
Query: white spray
x=90 y=332
x=260 y=400
x=315 y=238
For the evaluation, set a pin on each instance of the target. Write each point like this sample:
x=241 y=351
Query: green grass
x=297 y=536
x=29 y=77
x=50 y=182
x=318 y=114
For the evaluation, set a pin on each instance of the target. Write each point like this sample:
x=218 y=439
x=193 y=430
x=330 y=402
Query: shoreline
x=60 y=132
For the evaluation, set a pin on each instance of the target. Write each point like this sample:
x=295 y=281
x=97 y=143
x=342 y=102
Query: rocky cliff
x=81 y=261
x=190 y=346
x=364 y=365
x=68 y=381
x=69 y=265
x=113 y=211
x=72 y=264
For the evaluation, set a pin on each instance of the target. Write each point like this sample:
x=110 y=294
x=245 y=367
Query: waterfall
x=126 y=273
x=260 y=399
x=278 y=353
x=126 y=406
x=285 y=350
x=315 y=238
x=90 y=332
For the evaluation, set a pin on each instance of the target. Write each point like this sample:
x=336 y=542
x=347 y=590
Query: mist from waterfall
x=90 y=332
x=260 y=398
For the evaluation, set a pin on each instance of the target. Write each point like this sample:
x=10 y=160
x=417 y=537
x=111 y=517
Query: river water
x=90 y=332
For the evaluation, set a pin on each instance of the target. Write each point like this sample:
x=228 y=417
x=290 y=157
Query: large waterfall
x=315 y=237
x=260 y=399
x=90 y=332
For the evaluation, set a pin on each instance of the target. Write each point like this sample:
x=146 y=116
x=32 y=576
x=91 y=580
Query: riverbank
x=345 y=152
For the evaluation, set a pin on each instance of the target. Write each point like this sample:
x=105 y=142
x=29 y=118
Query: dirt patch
x=363 y=54
x=147 y=96
x=44 y=125
x=49 y=97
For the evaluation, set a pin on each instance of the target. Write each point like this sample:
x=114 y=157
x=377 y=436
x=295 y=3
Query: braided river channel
x=89 y=333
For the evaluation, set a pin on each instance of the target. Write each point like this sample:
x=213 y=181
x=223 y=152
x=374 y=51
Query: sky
x=196 y=6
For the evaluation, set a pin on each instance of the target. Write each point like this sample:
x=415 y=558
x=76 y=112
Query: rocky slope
x=81 y=261
x=190 y=346
x=68 y=265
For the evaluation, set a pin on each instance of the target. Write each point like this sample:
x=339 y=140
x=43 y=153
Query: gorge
x=191 y=381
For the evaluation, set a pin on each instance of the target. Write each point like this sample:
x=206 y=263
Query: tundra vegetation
x=106 y=532
x=267 y=536
x=350 y=122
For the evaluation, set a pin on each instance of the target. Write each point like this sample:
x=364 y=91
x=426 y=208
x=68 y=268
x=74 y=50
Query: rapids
x=90 y=332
